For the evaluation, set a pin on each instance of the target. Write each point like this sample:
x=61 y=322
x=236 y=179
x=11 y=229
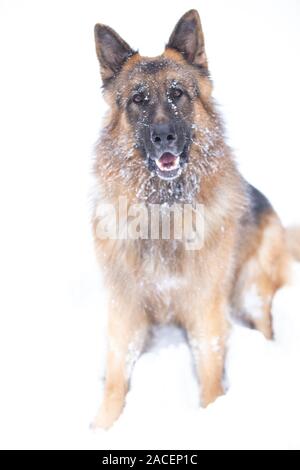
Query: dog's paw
x=107 y=415
x=211 y=395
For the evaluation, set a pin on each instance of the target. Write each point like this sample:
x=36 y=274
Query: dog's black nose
x=163 y=135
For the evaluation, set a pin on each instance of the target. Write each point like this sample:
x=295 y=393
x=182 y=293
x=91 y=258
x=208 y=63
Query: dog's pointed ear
x=188 y=39
x=112 y=51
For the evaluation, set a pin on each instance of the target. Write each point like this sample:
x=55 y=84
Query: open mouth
x=168 y=166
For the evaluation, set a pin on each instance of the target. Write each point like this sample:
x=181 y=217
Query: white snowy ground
x=52 y=316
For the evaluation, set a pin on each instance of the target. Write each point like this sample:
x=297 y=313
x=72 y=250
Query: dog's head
x=164 y=103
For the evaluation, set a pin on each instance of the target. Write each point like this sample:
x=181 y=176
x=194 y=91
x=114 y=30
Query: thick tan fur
x=293 y=241
x=207 y=284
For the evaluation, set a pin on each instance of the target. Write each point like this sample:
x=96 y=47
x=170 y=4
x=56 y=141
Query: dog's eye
x=176 y=93
x=138 y=98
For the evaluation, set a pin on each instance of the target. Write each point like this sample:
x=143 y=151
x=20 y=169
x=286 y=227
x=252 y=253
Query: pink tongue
x=167 y=159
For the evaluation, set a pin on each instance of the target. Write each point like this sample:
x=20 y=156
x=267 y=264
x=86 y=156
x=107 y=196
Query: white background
x=52 y=339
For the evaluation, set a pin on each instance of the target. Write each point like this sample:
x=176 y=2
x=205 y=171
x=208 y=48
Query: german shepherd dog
x=163 y=144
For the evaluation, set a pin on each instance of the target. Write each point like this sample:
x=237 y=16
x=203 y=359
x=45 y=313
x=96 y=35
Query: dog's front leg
x=127 y=332
x=207 y=330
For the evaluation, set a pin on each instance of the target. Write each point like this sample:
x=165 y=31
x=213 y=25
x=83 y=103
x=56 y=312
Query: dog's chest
x=163 y=280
